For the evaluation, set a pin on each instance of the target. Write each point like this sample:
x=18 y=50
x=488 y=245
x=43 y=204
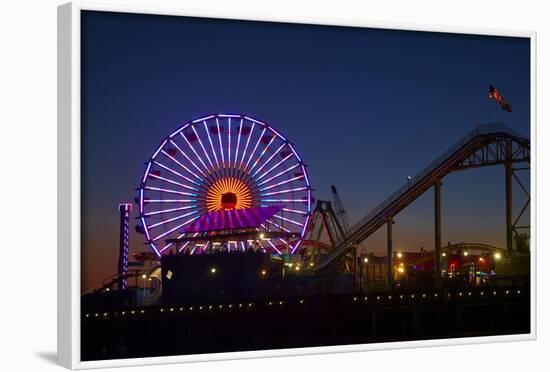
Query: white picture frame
x=69 y=185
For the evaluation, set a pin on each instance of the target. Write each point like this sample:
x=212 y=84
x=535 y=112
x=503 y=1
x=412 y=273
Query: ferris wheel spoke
x=262 y=154
x=284 y=191
x=269 y=159
x=283 y=200
x=195 y=152
x=289 y=220
x=188 y=158
x=255 y=147
x=169 y=191
x=182 y=165
x=277 y=225
x=148 y=214
x=246 y=146
x=282 y=183
x=203 y=148
x=295 y=211
x=238 y=144
x=176 y=173
x=164 y=222
x=211 y=144
x=170 y=201
x=171 y=244
x=273 y=246
x=305 y=225
x=278 y=174
x=295 y=247
x=273 y=167
x=172 y=182
x=220 y=141
x=229 y=145
x=195 y=247
x=174 y=229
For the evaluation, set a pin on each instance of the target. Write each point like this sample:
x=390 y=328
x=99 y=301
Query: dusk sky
x=364 y=107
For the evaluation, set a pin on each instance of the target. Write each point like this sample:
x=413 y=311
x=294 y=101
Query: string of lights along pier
x=224 y=182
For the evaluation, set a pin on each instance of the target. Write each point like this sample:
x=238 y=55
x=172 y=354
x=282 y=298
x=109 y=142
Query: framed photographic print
x=245 y=187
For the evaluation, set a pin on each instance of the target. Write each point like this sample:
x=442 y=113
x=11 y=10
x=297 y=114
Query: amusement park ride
x=231 y=183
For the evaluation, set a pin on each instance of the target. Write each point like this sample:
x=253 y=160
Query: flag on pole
x=495 y=94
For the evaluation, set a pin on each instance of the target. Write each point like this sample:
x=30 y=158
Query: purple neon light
x=261 y=154
x=229 y=143
x=170 y=201
x=172 y=182
x=176 y=173
x=196 y=154
x=195 y=247
x=146 y=172
x=279 y=226
x=305 y=174
x=278 y=174
x=273 y=167
x=169 y=191
x=144 y=225
x=171 y=244
x=168 y=210
x=160 y=148
x=140 y=201
x=269 y=159
x=183 y=166
x=155 y=249
x=254 y=120
x=288 y=220
x=233 y=219
x=164 y=222
x=246 y=146
x=238 y=144
x=178 y=130
x=211 y=144
x=283 y=182
x=295 y=153
x=229 y=116
x=295 y=247
x=272 y=245
x=220 y=139
x=255 y=147
x=188 y=158
x=305 y=226
x=174 y=229
x=283 y=200
x=278 y=134
x=204 y=118
x=295 y=211
x=202 y=146
x=284 y=191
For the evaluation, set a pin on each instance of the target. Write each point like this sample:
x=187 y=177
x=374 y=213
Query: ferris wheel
x=224 y=163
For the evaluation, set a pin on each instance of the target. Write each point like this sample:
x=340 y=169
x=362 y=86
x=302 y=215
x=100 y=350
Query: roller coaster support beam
x=437 y=235
x=509 y=172
x=389 y=258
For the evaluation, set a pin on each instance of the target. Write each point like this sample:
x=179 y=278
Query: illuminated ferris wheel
x=224 y=182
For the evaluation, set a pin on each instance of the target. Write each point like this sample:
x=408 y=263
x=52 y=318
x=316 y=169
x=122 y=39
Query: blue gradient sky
x=365 y=108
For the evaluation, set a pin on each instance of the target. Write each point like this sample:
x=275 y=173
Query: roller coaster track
x=487 y=144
